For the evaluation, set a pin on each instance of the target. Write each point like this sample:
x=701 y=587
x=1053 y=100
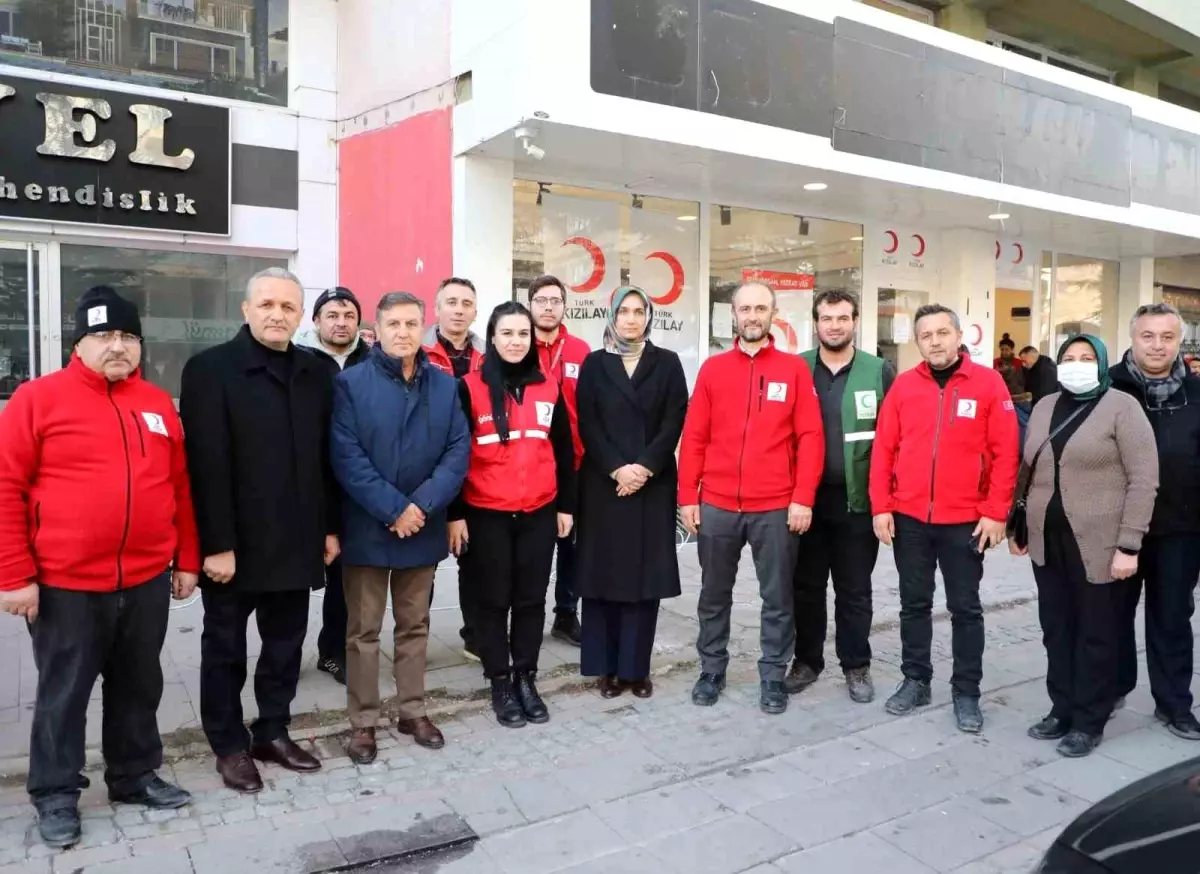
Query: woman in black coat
x=632 y=398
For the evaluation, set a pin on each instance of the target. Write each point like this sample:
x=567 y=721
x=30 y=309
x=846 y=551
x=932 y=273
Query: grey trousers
x=720 y=541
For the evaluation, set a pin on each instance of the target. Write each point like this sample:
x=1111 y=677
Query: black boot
x=527 y=694
x=505 y=704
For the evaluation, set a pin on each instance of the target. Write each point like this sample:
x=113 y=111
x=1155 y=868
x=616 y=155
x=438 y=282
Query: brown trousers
x=366 y=591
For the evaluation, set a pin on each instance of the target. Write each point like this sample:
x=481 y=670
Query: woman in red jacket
x=517 y=500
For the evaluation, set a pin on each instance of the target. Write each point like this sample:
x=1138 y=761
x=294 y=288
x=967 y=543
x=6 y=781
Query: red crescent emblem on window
x=789 y=335
x=676 y=279
x=888 y=250
x=920 y=246
x=593 y=281
x=978 y=329
x=1020 y=253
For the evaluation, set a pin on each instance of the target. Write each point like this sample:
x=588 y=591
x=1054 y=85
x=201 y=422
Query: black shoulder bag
x=1016 y=528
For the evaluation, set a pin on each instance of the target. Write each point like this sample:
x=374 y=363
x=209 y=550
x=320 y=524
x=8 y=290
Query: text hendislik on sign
x=83 y=155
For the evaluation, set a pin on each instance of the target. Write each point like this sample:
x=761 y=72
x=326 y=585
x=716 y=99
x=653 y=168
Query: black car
x=1149 y=827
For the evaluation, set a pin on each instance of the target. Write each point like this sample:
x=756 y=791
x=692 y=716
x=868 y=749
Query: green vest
x=860 y=407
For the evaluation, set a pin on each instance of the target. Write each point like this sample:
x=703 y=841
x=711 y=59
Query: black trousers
x=331 y=642
x=507 y=569
x=617 y=638
x=1167 y=568
x=79 y=636
x=565 y=601
x=920 y=550
x=843 y=545
x=1081 y=624
x=282 y=619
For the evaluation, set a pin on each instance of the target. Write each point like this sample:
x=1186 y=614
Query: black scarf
x=505 y=380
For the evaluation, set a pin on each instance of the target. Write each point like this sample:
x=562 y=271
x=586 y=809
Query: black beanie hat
x=102 y=309
x=338 y=293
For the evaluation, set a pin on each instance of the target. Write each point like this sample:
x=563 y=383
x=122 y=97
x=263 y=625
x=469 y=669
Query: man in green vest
x=850 y=384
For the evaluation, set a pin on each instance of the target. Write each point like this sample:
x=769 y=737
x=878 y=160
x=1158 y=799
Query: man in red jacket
x=942 y=476
x=94 y=508
x=561 y=355
x=749 y=465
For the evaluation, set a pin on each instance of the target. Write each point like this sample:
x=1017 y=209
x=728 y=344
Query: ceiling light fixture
x=685 y=218
x=726 y=216
x=856 y=239
x=998 y=216
x=815 y=186
x=637 y=201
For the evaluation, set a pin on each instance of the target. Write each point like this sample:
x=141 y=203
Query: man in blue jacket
x=400 y=447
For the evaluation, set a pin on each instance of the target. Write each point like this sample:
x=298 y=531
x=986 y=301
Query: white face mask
x=1078 y=377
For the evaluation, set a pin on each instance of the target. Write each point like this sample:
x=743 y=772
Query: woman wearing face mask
x=518 y=499
x=632 y=397
x=1092 y=475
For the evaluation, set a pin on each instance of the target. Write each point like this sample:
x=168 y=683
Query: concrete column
x=968 y=286
x=1139 y=79
x=483 y=229
x=962 y=18
x=1136 y=288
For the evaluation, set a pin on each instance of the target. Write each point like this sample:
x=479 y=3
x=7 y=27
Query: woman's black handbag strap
x=1033 y=464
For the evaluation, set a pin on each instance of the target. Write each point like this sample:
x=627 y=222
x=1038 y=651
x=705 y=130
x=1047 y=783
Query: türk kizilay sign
x=72 y=154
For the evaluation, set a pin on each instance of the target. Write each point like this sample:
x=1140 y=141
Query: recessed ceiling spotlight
x=815 y=186
x=998 y=216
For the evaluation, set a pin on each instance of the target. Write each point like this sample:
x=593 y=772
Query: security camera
x=525 y=133
x=535 y=152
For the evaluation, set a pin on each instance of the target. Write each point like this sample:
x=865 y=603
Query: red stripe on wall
x=394 y=205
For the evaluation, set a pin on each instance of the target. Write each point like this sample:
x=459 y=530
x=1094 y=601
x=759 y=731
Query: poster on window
x=664 y=261
x=581 y=240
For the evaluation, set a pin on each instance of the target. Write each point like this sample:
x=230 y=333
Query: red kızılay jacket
x=946 y=456
x=560 y=362
x=94 y=492
x=752 y=440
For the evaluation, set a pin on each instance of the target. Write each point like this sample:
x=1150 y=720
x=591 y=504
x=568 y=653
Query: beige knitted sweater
x=1108 y=474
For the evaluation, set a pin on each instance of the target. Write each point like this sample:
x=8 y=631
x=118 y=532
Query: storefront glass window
x=226 y=48
x=1084 y=300
x=189 y=301
x=1179 y=282
x=16 y=318
x=798 y=257
x=897 y=327
x=595 y=242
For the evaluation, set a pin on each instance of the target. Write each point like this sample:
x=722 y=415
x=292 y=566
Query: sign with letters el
x=84 y=155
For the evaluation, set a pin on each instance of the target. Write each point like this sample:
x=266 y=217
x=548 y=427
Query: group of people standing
x=302 y=460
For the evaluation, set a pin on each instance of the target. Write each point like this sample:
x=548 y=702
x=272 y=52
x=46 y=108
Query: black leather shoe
x=157 y=794
x=799 y=678
x=610 y=687
x=505 y=704
x=708 y=689
x=1077 y=744
x=287 y=753
x=239 y=773
x=59 y=827
x=1183 y=726
x=527 y=694
x=860 y=686
x=566 y=628
x=967 y=714
x=909 y=695
x=772 y=697
x=1050 y=728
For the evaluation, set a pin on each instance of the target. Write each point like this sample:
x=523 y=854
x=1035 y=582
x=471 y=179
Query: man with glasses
x=1169 y=560
x=95 y=507
x=561 y=356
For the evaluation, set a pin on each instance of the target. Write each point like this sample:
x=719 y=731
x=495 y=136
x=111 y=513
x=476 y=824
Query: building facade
x=170 y=149
x=1038 y=169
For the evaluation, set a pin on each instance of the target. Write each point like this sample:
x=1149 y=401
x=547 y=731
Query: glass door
x=22 y=274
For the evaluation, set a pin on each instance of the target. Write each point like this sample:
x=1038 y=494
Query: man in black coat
x=1041 y=374
x=256 y=416
x=333 y=338
x=1169 y=561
